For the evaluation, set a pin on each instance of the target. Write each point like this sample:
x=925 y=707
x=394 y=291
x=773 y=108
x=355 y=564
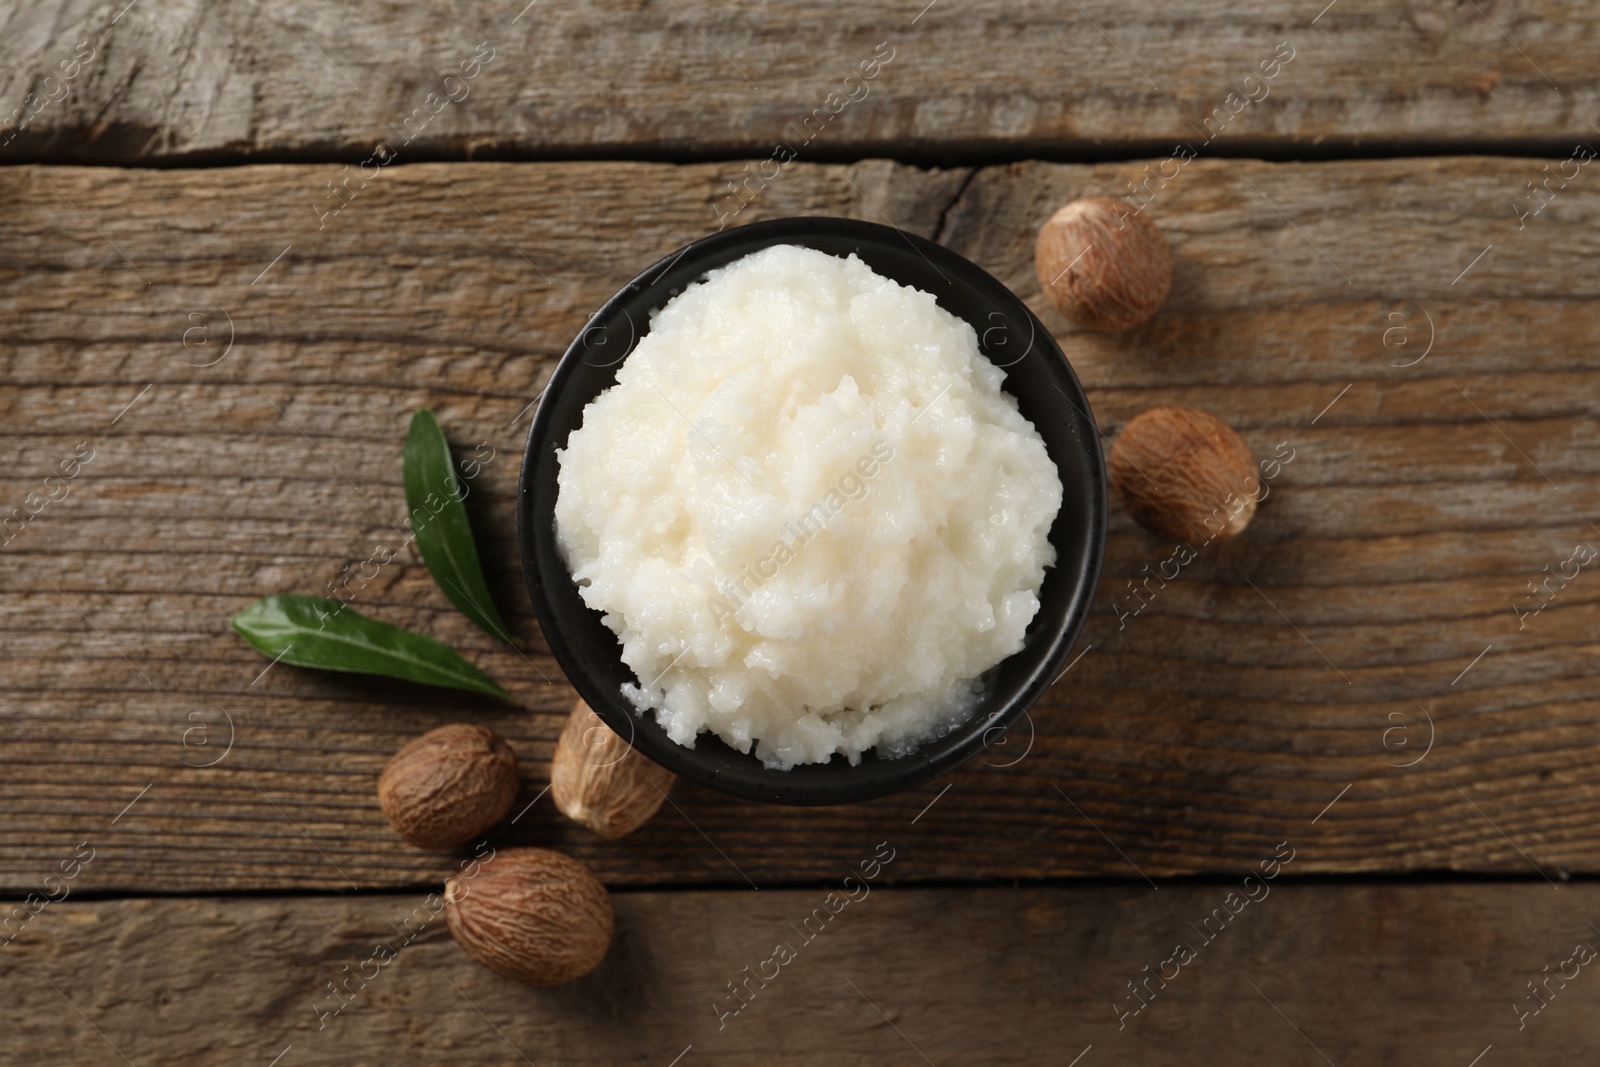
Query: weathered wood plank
x=1190 y=738
x=1397 y=973
x=171 y=81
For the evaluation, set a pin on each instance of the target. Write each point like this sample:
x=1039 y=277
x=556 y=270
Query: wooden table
x=1385 y=243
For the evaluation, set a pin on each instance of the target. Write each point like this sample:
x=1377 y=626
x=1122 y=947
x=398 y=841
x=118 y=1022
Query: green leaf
x=439 y=521
x=314 y=631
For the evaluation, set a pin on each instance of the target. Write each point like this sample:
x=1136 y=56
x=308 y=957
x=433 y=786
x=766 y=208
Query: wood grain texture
x=1414 y=974
x=1293 y=667
x=173 y=81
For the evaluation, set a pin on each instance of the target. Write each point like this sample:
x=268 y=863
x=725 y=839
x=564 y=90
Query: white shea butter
x=808 y=512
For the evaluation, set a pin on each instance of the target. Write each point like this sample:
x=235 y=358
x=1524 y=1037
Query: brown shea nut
x=1185 y=474
x=448 y=786
x=603 y=782
x=1103 y=264
x=531 y=915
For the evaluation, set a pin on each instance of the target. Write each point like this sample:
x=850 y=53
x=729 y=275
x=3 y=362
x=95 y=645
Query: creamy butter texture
x=808 y=512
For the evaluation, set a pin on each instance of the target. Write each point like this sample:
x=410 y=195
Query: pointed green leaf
x=439 y=521
x=314 y=631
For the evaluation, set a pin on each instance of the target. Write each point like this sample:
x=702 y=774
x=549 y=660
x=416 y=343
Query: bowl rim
x=832 y=782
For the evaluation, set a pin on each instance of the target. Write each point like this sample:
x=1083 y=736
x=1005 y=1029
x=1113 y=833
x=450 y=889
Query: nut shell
x=531 y=915
x=448 y=786
x=1103 y=264
x=1185 y=474
x=602 y=781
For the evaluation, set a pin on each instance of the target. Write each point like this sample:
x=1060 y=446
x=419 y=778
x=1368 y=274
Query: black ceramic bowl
x=1047 y=392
